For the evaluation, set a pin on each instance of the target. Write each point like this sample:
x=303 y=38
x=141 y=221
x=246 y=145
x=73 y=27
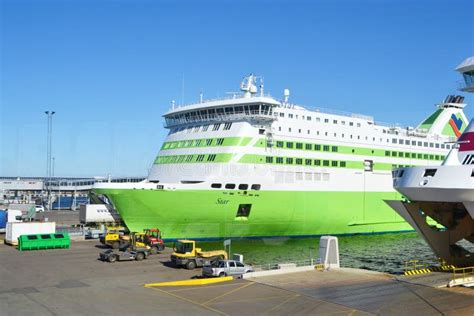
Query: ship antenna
x=261 y=87
x=200 y=96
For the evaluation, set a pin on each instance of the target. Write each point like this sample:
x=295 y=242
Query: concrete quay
x=74 y=282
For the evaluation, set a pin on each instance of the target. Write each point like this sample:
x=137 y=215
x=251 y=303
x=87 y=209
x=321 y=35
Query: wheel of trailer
x=190 y=265
x=222 y=274
x=140 y=256
x=115 y=245
x=161 y=247
x=153 y=250
x=112 y=258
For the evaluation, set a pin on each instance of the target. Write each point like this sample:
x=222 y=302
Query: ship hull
x=212 y=214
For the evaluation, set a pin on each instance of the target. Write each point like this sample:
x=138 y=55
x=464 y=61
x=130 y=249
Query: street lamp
x=49 y=115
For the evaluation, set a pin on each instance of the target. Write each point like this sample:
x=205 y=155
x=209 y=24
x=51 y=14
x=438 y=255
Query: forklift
x=131 y=251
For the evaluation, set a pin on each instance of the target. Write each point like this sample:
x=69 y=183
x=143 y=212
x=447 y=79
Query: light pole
x=49 y=115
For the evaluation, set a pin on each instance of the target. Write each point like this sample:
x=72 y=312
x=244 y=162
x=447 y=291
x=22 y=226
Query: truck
x=150 y=238
x=114 y=237
x=97 y=213
x=131 y=251
x=187 y=255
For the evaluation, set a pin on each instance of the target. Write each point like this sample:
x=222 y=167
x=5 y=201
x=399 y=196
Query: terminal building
x=65 y=193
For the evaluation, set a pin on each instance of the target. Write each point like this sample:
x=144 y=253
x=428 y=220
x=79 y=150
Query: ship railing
x=229 y=96
x=331 y=111
x=252 y=115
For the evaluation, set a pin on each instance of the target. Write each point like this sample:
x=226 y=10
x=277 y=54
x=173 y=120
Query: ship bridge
x=239 y=106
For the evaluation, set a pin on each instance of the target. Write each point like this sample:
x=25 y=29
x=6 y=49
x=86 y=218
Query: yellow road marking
x=234 y=290
x=282 y=303
x=191 y=282
x=190 y=301
x=252 y=299
x=207 y=287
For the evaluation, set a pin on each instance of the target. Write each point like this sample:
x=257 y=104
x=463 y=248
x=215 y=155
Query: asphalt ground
x=74 y=282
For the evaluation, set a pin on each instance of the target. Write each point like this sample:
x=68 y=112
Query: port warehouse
x=34 y=189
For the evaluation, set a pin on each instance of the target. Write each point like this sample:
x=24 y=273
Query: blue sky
x=111 y=68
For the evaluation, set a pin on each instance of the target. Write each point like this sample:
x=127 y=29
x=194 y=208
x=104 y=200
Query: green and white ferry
x=254 y=166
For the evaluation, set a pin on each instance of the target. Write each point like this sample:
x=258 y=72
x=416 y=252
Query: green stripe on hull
x=212 y=213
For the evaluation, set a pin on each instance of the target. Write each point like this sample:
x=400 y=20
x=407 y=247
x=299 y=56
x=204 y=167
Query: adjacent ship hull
x=214 y=214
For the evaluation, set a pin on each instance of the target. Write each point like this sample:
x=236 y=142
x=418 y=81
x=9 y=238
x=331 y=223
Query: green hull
x=209 y=214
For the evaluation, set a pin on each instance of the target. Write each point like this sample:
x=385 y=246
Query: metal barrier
x=462 y=275
x=413 y=267
x=44 y=241
x=276 y=266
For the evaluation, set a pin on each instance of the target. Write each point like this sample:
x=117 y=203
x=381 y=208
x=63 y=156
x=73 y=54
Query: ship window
x=255 y=187
x=289 y=130
x=244 y=210
x=326 y=163
x=413 y=155
x=282 y=114
x=220 y=141
x=429 y=172
x=431 y=157
x=326 y=121
x=442 y=146
x=200 y=158
x=317 y=162
x=325 y=148
x=413 y=143
x=216 y=127
x=261 y=131
x=230 y=186
x=308 y=118
x=472 y=174
x=437 y=145
x=243 y=186
x=205 y=127
x=317 y=147
x=197 y=142
x=308 y=146
x=227 y=126
x=279 y=144
x=394 y=140
x=299 y=146
x=208 y=142
x=279 y=128
x=407 y=155
x=290 y=115
x=269 y=159
x=431 y=145
x=420 y=156
x=299 y=130
x=407 y=142
x=334 y=121
x=299 y=161
x=289 y=145
x=334 y=148
x=387 y=153
x=308 y=162
x=425 y=144
x=318 y=119
x=279 y=160
x=394 y=154
x=351 y=123
x=400 y=141
x=342 y=164
x=437 y=157
x=400 y=154
x=358 y=124
x=289 y=161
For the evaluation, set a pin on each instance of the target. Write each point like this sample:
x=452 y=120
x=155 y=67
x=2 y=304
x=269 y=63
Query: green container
x=44 y=241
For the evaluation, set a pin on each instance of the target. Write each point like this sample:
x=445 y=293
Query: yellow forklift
x=114 y=237
x=186 y=254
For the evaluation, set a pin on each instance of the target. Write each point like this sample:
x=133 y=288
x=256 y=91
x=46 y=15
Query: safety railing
x=463 y=275
x=276 y=266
